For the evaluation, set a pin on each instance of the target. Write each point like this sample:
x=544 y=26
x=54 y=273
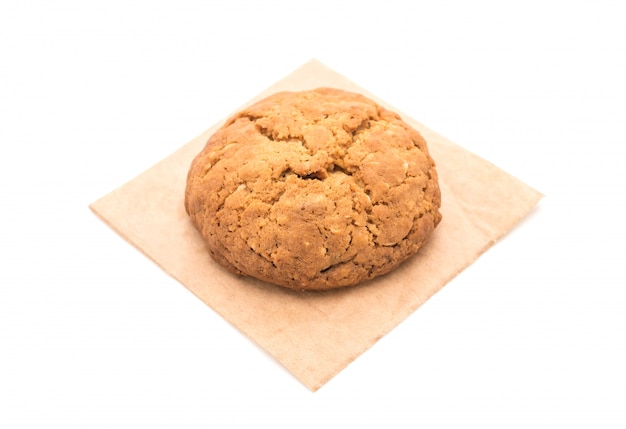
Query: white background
x=94 y=335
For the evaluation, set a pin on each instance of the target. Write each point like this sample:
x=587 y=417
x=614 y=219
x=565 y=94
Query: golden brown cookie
x=314 y=190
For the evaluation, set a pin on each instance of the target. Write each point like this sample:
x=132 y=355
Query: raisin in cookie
x=314 y=190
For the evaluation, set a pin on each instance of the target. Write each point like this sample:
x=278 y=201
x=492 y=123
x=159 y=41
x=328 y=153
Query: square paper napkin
x=317 y=334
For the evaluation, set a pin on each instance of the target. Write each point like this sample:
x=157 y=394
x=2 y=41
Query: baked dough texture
x=314 y=190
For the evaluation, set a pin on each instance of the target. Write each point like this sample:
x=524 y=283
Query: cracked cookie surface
x=314 y=190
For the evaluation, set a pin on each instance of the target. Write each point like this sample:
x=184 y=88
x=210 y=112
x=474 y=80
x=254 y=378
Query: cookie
x=314 y=190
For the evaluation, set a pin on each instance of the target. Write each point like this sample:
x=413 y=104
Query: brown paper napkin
x=315 y=335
